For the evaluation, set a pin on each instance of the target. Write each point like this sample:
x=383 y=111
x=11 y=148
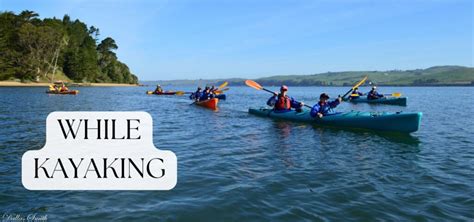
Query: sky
x=194 y=39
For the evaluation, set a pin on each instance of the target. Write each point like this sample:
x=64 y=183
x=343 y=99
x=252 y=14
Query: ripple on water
x=233 y=166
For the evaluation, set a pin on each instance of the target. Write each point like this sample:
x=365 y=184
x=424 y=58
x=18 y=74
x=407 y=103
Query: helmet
x=284 y=88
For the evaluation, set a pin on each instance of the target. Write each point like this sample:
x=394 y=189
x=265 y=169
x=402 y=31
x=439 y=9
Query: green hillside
x=438 y=75
x=434 y=76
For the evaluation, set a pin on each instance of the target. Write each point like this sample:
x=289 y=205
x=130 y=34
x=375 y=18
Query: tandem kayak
x=401 y=101
x=210 y=103
x=383 y=121
x=70 y=92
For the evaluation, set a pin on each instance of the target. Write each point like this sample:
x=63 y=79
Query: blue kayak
x=383 y=121
x=401 y=101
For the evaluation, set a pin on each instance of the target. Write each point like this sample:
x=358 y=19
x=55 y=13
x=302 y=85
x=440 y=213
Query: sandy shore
x=42 y=84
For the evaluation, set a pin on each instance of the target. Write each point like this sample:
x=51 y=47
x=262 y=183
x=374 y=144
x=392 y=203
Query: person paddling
x=206 y=94
x=373 y=94
x=158 y=89
x=283 y=103
x=63 y=88
x=323 y=107
x=196 y=95
x=356 y=93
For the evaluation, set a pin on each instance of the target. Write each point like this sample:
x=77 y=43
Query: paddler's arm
x=295 y=104
x=315 y=111
x=335 y=103
x=272 y=100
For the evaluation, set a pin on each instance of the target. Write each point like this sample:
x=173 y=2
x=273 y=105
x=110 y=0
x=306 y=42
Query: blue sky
x=254 y=38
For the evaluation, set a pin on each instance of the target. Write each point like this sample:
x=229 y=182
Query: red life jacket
x=283 y=103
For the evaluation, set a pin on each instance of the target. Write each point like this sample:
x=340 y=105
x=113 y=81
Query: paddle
x=396 y=94
x=257 y=86
x=355 y=86
x=221 y=91
x=223 y=85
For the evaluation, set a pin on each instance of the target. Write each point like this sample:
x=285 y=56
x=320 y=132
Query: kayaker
x=158 y=89
x=323 y=107
x=53 y=87
x=196 y=95
x=373 y=94
x=213 y=90
x=283 y=103
x=206 y=94
x=356 y=93
x=63 y=88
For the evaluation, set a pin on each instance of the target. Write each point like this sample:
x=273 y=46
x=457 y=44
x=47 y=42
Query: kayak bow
x=210 y=103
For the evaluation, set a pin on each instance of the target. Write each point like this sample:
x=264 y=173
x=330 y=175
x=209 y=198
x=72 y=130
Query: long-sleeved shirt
x=323 y=108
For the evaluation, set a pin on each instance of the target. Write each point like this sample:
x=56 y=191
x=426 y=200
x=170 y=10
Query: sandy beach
x=43 y=84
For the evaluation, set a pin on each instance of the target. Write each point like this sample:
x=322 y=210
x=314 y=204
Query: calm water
x=233 y=166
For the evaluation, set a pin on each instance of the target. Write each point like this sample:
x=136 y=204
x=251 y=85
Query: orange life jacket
x=283 y=102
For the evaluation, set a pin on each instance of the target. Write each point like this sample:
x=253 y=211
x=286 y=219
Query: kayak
x=210 y=103
x=381 y=121
x=401 y=101
x=220 y=96
x=70 y=92
x=163 y=93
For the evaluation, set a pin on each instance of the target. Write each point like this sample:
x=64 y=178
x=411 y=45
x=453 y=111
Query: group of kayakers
x=281 y=102
x=371 y=95
x=209 y=92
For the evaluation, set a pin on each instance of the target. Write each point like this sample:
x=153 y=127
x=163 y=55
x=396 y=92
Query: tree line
x=32 y=48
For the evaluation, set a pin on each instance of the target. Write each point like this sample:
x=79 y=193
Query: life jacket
x=283 y=102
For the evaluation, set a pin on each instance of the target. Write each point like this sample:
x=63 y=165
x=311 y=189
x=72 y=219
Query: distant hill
x=434 y=76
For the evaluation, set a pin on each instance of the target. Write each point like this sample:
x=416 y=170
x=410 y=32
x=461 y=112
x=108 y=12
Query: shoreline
x=44 y=84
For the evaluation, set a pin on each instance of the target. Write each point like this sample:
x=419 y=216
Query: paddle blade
x=223 y=85
x=253 y=84
x=149 y=92
x=360 y=83
x=180 y=93
x=396 y=94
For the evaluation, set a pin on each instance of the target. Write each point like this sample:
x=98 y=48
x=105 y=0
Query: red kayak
x=70 y=92
x=210 y=103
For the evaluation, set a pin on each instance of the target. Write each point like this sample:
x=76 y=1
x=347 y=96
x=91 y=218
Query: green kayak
x=401 y=101
x=383 y=121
